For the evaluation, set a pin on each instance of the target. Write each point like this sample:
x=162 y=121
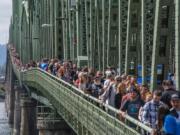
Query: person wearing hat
x=172 y=121
x=132 y=105
x=109 y=80
x=97 y=87
x=175 y=102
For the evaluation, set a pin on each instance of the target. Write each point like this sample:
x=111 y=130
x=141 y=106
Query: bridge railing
x=84 y=113
x=90 y=112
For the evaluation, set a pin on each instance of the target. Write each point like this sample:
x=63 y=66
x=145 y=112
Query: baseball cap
x=175 y=97
x=108 y=73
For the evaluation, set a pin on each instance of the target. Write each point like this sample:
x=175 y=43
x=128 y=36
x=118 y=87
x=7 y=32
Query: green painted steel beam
x=177 y=43
x=103 y=35
x=89 y=29
x=156 y=38
x=91 y=34
x=120 y=36
x=109 y=30
x=78 y=42
x=128 y=37
x=143 y=49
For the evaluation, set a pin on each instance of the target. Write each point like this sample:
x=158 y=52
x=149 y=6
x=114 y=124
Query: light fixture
x=46 y=25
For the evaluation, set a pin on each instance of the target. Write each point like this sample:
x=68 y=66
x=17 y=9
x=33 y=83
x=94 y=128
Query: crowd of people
x=158 y=109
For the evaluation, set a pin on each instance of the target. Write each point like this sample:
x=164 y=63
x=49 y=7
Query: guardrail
x=84 y=113
x=90 y=112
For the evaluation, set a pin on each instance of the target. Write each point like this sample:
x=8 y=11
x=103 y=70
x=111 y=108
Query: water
x=4 y=127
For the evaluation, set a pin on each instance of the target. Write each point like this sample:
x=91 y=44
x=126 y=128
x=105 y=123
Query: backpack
x=118 y=98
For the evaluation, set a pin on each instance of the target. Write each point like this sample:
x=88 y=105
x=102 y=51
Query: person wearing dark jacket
x=168 y=92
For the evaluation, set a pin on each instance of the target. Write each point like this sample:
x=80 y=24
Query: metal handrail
x=110 y=113
x=94 y=100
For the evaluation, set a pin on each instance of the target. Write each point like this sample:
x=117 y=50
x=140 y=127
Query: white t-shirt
x=106 y=83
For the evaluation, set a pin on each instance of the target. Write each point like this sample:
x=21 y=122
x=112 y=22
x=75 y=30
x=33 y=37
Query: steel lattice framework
x=99 y=33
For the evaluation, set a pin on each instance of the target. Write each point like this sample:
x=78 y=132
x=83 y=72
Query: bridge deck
x=85 y=114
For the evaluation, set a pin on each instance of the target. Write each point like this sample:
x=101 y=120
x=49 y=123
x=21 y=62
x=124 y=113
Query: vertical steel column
x=103 y=34
x=42 y=29
x=50 y=36
x=25 y=35
x=91 y=34
x=120 y=36
x=30 y=12
x=74 y=35
x=37 y=30
x=148 y=34
x=142 y=42
x=68 y=28
x=55 y=28
x=16 y=28
x=128 y=38
x=34 y=28
x=155 y=46
x=94 y=36
x=63 y=29
x=109 y=31
x=46 y=29
x=98 y=33
x=177 y=43
x=87 y=32
x=77 y=31
x=20 y=34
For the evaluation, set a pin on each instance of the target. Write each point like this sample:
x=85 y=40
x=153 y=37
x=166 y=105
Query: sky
x=5 y=16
